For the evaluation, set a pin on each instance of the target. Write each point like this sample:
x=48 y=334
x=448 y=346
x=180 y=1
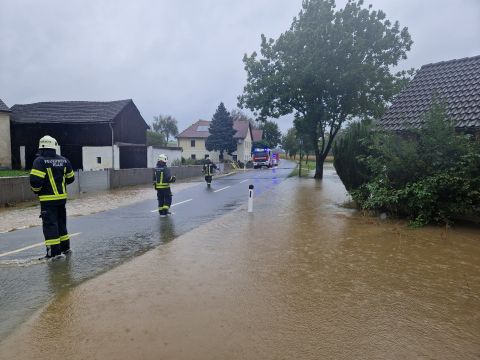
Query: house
x=454 y=82
x=5 y=142
x=192 y=141
x=257 y=135
x=92 y=135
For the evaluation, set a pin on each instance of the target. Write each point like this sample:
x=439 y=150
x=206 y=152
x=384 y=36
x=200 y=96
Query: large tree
x=329 y=67
x=271 y=134
x=155 y=138
x=221 y=133
x=166 y=125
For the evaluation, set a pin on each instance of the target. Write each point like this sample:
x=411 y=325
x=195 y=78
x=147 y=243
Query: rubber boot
x=65 y=246
x=52 y=251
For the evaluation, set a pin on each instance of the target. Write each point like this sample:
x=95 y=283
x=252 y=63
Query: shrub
x=428 y=175
x=348 y=150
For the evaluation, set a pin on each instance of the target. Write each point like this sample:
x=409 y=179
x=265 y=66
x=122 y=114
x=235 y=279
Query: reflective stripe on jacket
x=162 y=177
x=49 y=176
x=209 y=169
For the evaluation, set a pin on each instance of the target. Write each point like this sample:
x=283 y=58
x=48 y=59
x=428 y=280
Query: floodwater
x=300 y=278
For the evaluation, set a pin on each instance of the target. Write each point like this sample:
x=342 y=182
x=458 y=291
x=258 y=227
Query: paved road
x=104 y=240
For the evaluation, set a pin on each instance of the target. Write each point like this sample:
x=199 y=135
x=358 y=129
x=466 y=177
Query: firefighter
x=48 y=178
x=162 y=178
x=209 y=169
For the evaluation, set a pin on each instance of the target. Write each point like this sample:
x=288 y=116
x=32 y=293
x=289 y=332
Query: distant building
x=257 y=135
x=92 y=135
x=456 y=83
x=174 y=155
x=192 y=141
x=5 y=142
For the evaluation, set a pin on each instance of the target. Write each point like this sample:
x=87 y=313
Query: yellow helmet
x=47 y=142
x=162 y=157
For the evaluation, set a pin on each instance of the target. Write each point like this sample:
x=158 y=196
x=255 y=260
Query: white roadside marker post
x=250 y=198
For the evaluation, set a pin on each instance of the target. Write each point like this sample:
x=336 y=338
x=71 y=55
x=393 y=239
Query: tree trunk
x=318 y=164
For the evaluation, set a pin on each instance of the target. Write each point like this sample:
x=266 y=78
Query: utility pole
x=300 y=162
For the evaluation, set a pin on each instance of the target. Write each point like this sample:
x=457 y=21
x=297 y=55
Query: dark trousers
x=164 y=197
x=208 y=179
x=54 y=222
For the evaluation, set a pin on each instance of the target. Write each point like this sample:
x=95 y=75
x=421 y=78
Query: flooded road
x=300 y=278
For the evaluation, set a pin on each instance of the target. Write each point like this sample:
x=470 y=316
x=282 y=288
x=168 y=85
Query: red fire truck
x=262 y=157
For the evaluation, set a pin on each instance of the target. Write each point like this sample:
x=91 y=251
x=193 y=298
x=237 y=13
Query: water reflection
x=167 y=229
x=300 y=278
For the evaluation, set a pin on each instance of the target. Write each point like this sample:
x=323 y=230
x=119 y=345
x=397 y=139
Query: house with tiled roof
x=192 y=141
x=92 y=135
x=5 y=141
x=456 y=83
x=257 y=135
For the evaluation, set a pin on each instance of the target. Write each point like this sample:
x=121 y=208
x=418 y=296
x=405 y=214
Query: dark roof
x=200 y=130
x=3 y=107
x=257 y=135
x=242 y=127
x=68 y=111
x=455 y=83
x=193 y=132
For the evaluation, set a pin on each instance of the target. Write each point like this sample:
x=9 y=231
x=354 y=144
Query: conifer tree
x=221 y=133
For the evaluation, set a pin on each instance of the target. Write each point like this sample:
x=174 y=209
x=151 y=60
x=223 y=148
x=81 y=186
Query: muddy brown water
x=300 y=278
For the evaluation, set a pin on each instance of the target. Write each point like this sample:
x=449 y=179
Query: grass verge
x=5 y=173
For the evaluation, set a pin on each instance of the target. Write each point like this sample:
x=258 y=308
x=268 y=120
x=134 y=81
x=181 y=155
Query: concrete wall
x=128 y=177
x=92 y=181
x=5 y=143
x=91 y=153
x=173 y=154
x=15 y=189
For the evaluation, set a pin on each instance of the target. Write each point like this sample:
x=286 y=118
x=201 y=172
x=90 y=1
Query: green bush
x=348 y=150
x=427 y=175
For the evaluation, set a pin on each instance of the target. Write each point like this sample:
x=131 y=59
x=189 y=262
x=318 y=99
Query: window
x=99 y=160
x=192 y=143
x=207 y=156
x=193 y=156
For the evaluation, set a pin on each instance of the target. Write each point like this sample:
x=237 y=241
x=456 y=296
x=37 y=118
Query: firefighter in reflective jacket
x=48 y=178
x=162 y=178
x=209 y=169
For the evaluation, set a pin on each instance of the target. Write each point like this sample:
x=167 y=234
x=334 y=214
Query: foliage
x=271 y=134
x=166 y=125
x=351 y=144
x=155 y=138
x=239 y=115
x=290 y=143
x=221 y=132
x=328 y=67
x=429 y=175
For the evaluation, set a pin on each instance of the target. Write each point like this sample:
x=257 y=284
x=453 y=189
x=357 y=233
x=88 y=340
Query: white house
x=192 y=141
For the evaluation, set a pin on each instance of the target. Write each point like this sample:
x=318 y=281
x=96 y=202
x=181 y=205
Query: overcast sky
x=180 y=58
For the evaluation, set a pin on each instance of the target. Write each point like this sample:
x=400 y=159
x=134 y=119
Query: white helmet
x=162 y=157
x=47 y=142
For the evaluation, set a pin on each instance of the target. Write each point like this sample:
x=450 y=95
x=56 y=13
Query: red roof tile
x=200 y=129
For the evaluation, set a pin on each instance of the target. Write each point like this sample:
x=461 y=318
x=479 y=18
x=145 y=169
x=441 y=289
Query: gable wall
x=5 y=142
x=129 y=126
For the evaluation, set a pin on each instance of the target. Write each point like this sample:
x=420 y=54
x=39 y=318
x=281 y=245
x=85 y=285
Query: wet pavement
x=25 y=215
x=300 y=278
x=106 y=239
